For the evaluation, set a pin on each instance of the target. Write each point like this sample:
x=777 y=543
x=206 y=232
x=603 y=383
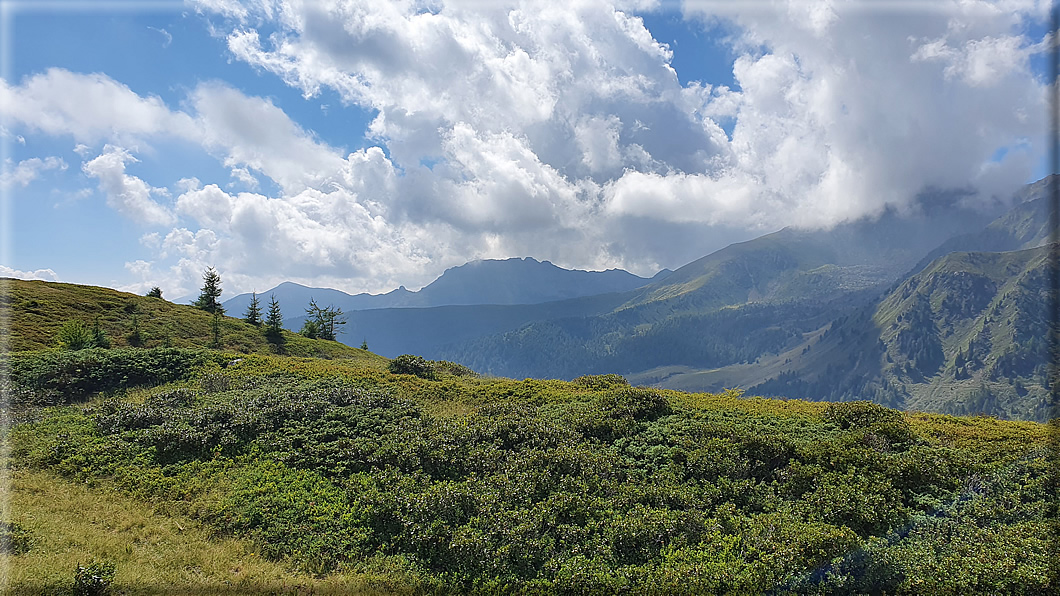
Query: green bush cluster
x=93 y=579
x=408 y=364
x=56 y=377
x=548 y=487
x=14 y=539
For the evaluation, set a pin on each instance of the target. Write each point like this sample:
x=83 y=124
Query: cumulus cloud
x=127 y=194
x=28 y=170
x=39 y=274
x=557 y=131
x=90 y=107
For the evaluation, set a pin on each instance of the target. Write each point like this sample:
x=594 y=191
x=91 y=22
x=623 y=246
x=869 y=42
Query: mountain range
x=939 y=308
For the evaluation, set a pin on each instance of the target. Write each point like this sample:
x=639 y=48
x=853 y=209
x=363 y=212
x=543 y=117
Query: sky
x=363 y=145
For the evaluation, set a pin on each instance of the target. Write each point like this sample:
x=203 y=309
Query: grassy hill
x=36 y=311
x=345 y=477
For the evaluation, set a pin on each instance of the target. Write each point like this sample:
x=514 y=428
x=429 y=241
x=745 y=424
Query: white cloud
x=556 y=130
x=243 y=176
x=127 y=194
x=39 y=274
x=166 y=36
x=90 y=107
x=252 y=132
x=29 y=170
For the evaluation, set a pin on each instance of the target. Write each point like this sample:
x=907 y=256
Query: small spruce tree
x=99 y=336
x=134 y=337
x=253 y=314
x=74 y=335
x=310 y=329
x=211 y=291
x=156 y=292
x=326 y=319
x=274 y=322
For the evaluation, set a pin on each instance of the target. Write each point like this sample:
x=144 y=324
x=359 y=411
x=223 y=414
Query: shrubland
x=425 y=477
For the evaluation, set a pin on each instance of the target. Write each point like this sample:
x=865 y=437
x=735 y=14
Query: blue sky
x=367 y=145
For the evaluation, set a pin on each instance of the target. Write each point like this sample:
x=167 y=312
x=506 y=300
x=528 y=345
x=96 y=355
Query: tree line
x=322 y=323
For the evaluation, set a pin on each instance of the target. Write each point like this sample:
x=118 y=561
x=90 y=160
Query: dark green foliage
x=211 y=291
x=860 y=414
x=597 y=382
x=93 y=579
x=324 y=320
x=14 y=539
x=407 y=364
x=310 y=329
x=74 y=335
x=58 y=377
x=215 y=330
x=547 y=487
x=451 y=368
x=155 y=292
x=99 y=337
x=274 y=323
x=253 y=314
x=135 y=337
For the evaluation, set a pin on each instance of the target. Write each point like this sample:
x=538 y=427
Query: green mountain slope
x=36 y=310
x=968 y=334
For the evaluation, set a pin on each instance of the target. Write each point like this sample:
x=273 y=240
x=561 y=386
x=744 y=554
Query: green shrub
x=62 y=376
x=93 y=579
x=14 y=539
x=407 y=364
x=598 y=382
x=74 y=335
x=451 y=368
x=860 y=414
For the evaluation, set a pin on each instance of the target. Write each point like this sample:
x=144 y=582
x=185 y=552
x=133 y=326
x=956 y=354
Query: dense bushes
x=60 y=376
x=590 y=487
x=407 y=364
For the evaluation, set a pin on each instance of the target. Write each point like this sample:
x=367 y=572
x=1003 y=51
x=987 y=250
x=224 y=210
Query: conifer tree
x=211 y=291
x=326 y=319
x=274 y=322
x=99 y=337
x=253 y=314
x=156 y=292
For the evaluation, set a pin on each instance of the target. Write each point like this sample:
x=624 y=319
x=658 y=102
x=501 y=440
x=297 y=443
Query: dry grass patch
x=71 y=524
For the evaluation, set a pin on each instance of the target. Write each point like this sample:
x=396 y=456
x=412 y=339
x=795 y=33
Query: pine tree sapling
x=326 y=319
x=99 y=336
x=135 y=338
x=253 y=314
x=364 y=344
x=74 y=335
x=310 y=329
x=156 y=292
x=274 y=322
x=211 y=291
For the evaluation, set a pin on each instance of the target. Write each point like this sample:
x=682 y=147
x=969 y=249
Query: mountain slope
x=1025 y=226
x=36 y=310
x=817 y=265
x=968 y=334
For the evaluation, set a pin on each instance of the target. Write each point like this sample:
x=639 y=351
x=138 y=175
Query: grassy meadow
x=189 y=470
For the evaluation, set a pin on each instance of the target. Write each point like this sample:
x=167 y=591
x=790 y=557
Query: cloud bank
x=559 y=131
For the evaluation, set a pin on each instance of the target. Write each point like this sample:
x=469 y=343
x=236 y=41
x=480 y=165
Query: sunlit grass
x=72 y=524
